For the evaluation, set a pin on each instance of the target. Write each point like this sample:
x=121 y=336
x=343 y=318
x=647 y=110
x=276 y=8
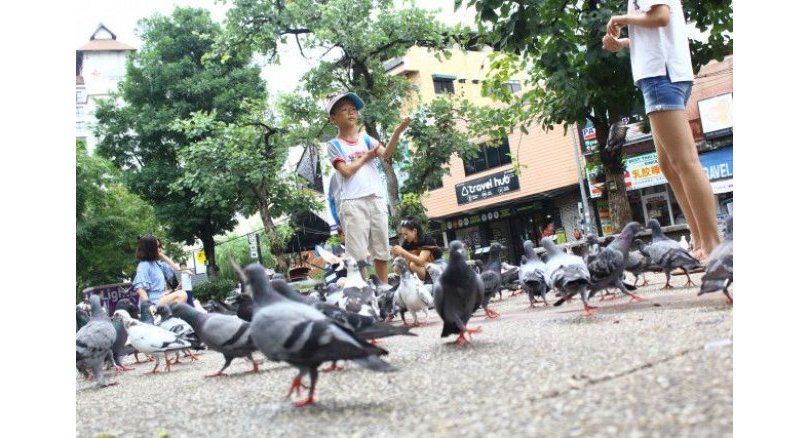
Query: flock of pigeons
x=307 y=331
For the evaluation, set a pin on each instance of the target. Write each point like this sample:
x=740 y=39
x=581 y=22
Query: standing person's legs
x=674 y=180
x=378 y=236
x=355 y=223
x=672 y=129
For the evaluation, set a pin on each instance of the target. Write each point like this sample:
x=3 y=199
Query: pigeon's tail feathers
x=374 y=363
x=560 y=301
x=383 y=330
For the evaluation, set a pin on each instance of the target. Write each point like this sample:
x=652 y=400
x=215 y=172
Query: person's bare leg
x=674 y=180
x=381 y=267
x=676 y=138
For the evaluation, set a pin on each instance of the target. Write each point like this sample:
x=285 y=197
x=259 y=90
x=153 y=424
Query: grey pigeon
x=226 y=334
x=491 y=277
x=638 y=263
x=285 y=330
x=365 y=327
x=218 y=306
x=82 y=318
x=244 y=306
x=459 y=293
x=177 y=325
x=148 y=338
x=119 y=346
x=720 y=266
x=532 y=274
x=607 y=267
x=94 y=342
x=410 y=295
x=669 y=255
x=567 y=273
x=357 y=295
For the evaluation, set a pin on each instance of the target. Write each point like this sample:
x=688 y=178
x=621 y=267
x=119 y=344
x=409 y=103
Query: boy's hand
x=403 y=125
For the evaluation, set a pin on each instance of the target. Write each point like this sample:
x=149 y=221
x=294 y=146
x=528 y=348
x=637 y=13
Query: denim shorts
x=661 y=94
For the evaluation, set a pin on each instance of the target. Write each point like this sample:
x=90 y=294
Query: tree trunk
x=211 y=267
x=619 y=206
x=613 y=164
x=270 y=231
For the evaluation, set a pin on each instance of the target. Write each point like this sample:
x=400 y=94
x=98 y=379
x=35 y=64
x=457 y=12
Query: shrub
x=218 y=288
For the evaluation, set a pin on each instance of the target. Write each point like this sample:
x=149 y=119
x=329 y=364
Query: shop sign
x=487 y=187
x=718 y=164
x=644 y=171
x=603 y=209
x=475 y=219
x=716 y=116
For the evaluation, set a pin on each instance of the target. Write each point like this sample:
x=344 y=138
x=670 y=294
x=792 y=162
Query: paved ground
x=661 y=367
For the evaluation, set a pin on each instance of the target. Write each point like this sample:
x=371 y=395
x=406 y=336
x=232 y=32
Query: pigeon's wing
x=719 y=269
x=325 y=341
x=94 y=340
x=678 y=258
x=151 y=338
x=225 y=332
x=424 y=294
x=607 y=263
x=491 y=281
x=438 y=298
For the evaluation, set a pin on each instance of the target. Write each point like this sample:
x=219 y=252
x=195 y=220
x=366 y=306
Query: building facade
x=507 y=194
x=101 y=64
x=710 y=116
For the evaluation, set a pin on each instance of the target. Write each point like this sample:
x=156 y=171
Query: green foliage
x=168 y=80
x=217 y=288
x=411 y=205
x=109 y=220
x=353 y=38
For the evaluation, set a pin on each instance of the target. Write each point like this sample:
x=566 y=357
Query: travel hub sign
x=487 y=187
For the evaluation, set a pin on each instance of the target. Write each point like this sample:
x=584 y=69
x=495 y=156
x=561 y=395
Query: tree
x=242 y=160
x=168 y=80
x=355 y=38
x=109 y=220
x=559 y=43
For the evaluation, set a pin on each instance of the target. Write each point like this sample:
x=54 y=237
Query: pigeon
x=638 y=263
x=510 y=276
x=567 y=273
x=82 y=318
x=458 y=294
x=148 y=338
x=119 y=348
x=607 y=267
x=720 y=266
x=532 y=275
x=593 y=246
x=176 y=325
x=146 y=313
x=669 y=255
x=94 y=342
x=491 y=277
x=411 y=295
x=226 y=334
x=244 y=306
x=285 y=330
x=365 y=327
x=357 y=296
x=218 y=306
x=684 y=244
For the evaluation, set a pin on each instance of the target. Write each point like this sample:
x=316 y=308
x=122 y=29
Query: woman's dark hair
x=412 y=223
x=147 y=248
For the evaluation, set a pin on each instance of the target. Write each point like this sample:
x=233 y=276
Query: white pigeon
x=148 y=338
x=684 y=244
x=411 y=294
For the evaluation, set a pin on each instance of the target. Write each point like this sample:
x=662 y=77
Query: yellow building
x=486 y=200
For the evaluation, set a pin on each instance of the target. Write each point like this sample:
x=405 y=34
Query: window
x=79 y=111
x=80 y=96
x=80 y=128
x=488 y=157
x=434 y=186
x=514 y=86
x=443 y=85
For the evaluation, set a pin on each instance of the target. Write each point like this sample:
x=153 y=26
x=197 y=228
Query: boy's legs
x=378 y=236
x=354 y=220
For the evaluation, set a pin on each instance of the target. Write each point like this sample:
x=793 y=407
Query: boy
x=363 y=212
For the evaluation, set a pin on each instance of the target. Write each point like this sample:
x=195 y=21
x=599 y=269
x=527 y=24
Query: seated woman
x=418 y=249
x=153 y=269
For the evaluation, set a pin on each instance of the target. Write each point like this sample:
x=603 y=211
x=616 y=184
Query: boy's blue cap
x=358 y=103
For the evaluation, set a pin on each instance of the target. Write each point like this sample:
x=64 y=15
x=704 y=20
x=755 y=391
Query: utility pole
x=582 y=193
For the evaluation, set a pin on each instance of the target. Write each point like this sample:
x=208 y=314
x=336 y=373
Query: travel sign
x=487 y=187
